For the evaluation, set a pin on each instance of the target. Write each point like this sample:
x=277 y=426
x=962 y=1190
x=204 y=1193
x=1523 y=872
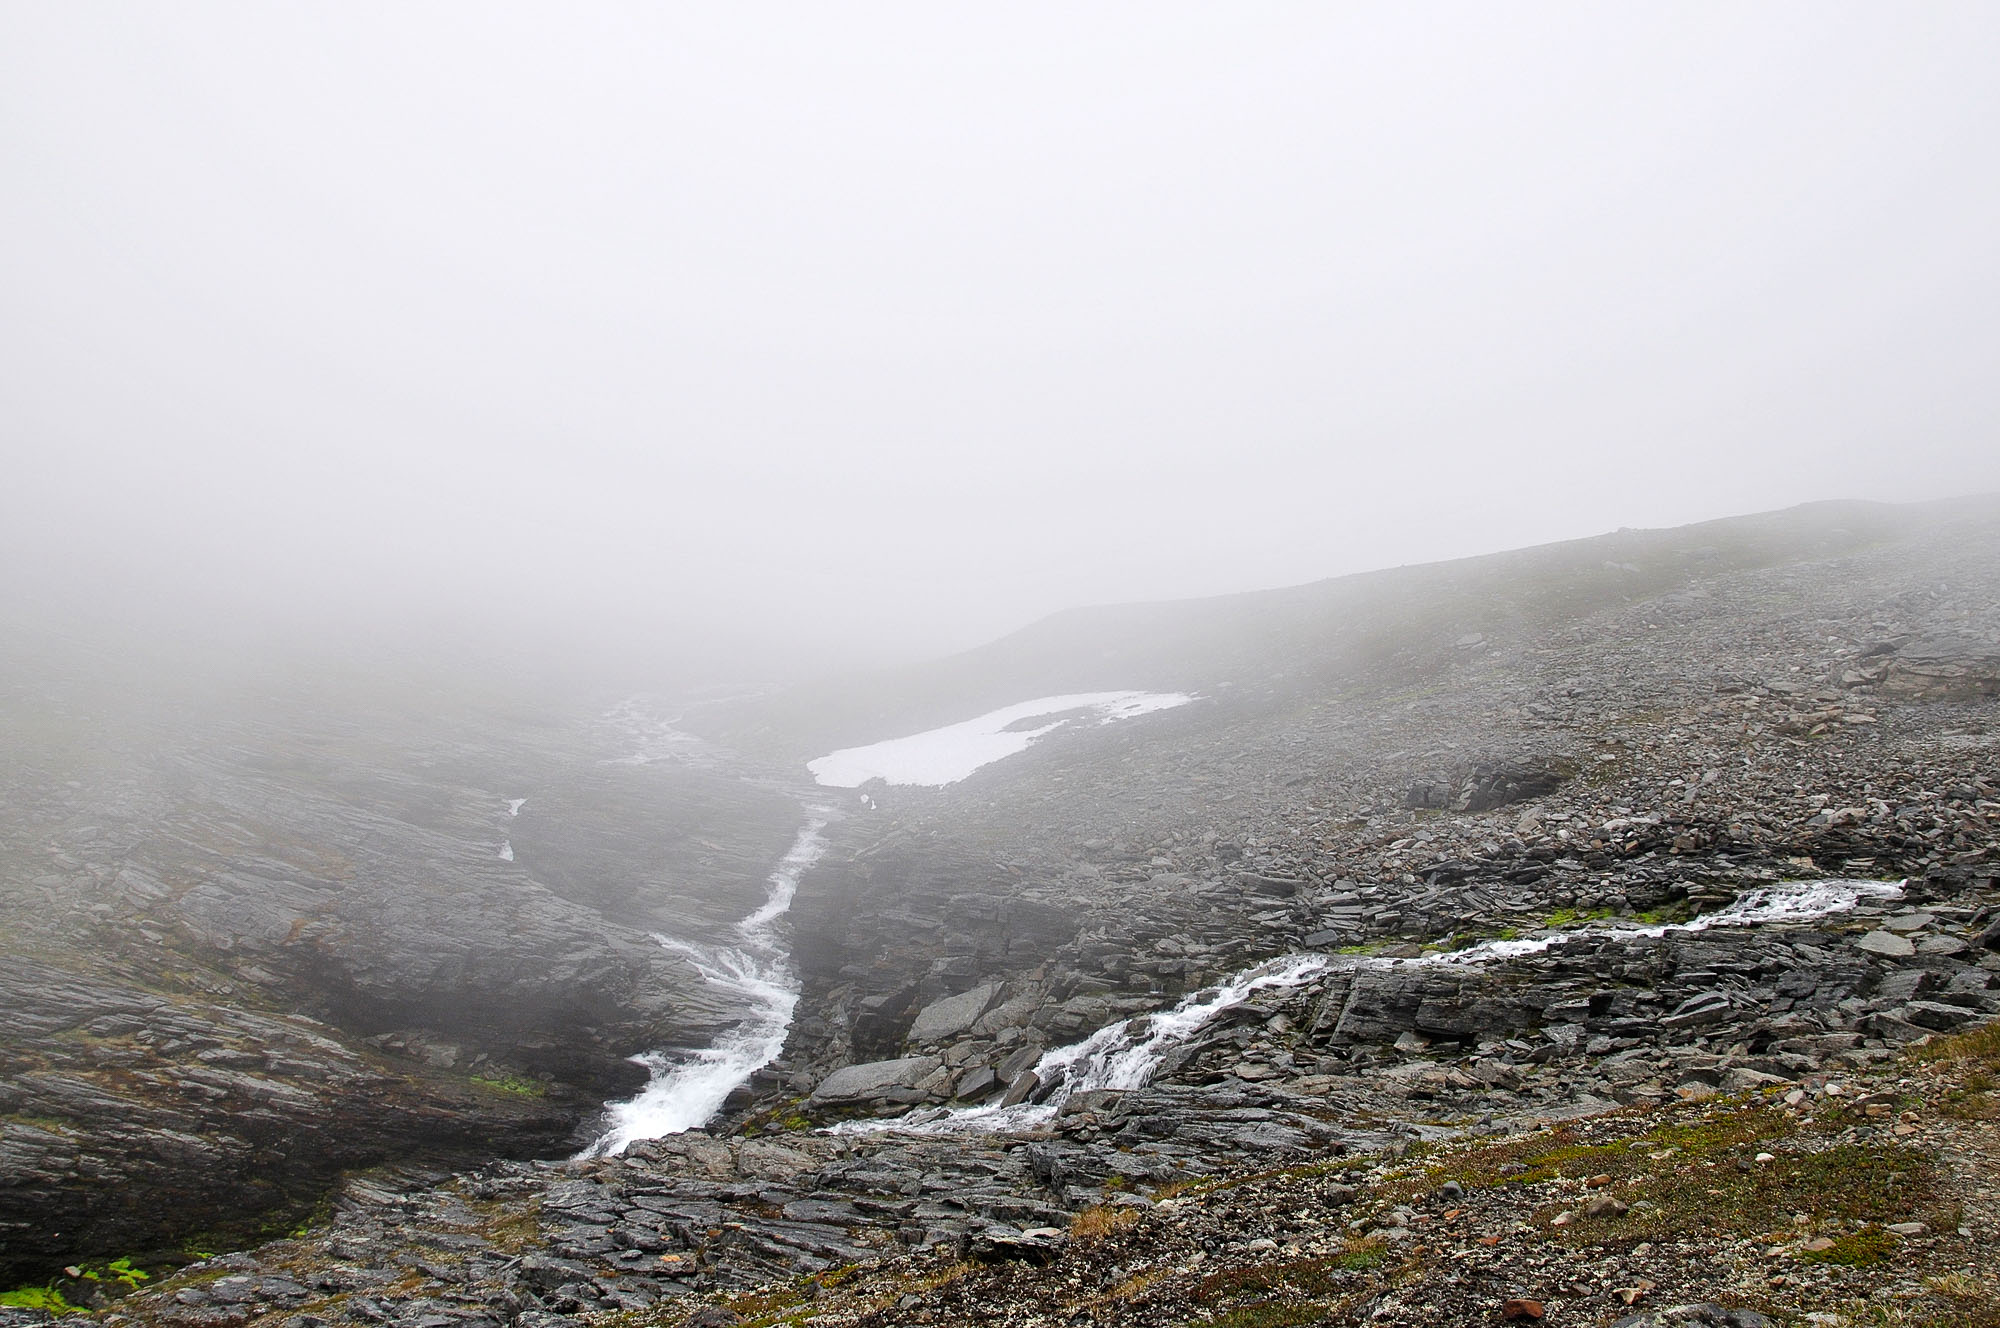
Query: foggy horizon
x=847 y=340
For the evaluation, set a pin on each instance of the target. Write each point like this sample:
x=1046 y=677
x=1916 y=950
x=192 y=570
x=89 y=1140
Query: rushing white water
x=1786 y=901
x=506 y=850
x=514 y=806
x=688 y=1088
x=1114 y=1057
x=946 y=755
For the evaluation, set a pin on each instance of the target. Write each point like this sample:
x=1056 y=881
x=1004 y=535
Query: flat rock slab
x=1887 y=944
x=875 y=1078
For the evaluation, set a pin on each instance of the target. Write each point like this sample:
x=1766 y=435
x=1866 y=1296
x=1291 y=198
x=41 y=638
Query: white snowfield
x=945 y=756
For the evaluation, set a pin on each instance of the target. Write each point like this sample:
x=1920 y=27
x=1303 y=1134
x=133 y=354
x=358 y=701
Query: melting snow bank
x=688 y=1088
x=947 y=755
x=1115 y=1057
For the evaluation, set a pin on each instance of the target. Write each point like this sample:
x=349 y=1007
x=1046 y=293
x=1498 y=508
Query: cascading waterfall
x=688 y=1088
x=1117 y=1057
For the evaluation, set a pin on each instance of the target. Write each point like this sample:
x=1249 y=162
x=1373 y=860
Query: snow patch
x=946 y=755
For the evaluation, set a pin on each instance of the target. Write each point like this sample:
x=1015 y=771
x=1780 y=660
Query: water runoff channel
x=687 y=1088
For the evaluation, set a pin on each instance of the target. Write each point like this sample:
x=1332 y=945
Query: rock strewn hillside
x=1742 y=725
x=249 y=943
x=1611 y=758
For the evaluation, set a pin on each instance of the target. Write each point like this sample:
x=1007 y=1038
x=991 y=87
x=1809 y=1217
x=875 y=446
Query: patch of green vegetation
x=1297 y=1291
x=1717 y=1194
x=1180 y=1185
x=1972 y=1098
x=1724 y=1129
x=515 y=1084
x=1270 y=1314
x=1537 y=1158
x=1858 y=1249
x=1981 y=1046
x=1368 y=947
x=1665 y=915
x=1363 y=1257
x=768 y=1307
x=45 y=1298
x=1298 y=1277
x=1699 y=1176
x=119 y=1270
x=1570 y=917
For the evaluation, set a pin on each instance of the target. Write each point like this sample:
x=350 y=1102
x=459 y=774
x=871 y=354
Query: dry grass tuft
x=1981 y=1045
x=1101 y=1223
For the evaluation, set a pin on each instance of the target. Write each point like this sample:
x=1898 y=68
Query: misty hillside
x=1599 y=831
x=1374 y=630
x=789 y=666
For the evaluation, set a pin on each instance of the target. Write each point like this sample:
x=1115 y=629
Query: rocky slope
x=1595 y=742
x=248 y=942
x=1826 y=714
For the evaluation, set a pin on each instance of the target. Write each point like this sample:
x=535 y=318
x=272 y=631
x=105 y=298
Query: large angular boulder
x=946 y=1019
x=875 y=1080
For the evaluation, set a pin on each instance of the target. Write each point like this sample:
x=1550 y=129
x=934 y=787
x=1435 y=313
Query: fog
x=808 y=336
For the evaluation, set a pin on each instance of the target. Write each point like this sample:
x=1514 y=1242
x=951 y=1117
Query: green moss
x=1362 y=1257
x=45 y=1298
x=1368 y=947
x=1858 y=1249
x=118 y=1270
x=513 y=1084
x=1569 y=917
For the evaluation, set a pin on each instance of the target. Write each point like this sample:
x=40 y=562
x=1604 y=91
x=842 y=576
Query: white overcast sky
x=897 y=326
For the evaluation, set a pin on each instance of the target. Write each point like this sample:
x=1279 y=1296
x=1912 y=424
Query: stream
x=1117 y=1057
